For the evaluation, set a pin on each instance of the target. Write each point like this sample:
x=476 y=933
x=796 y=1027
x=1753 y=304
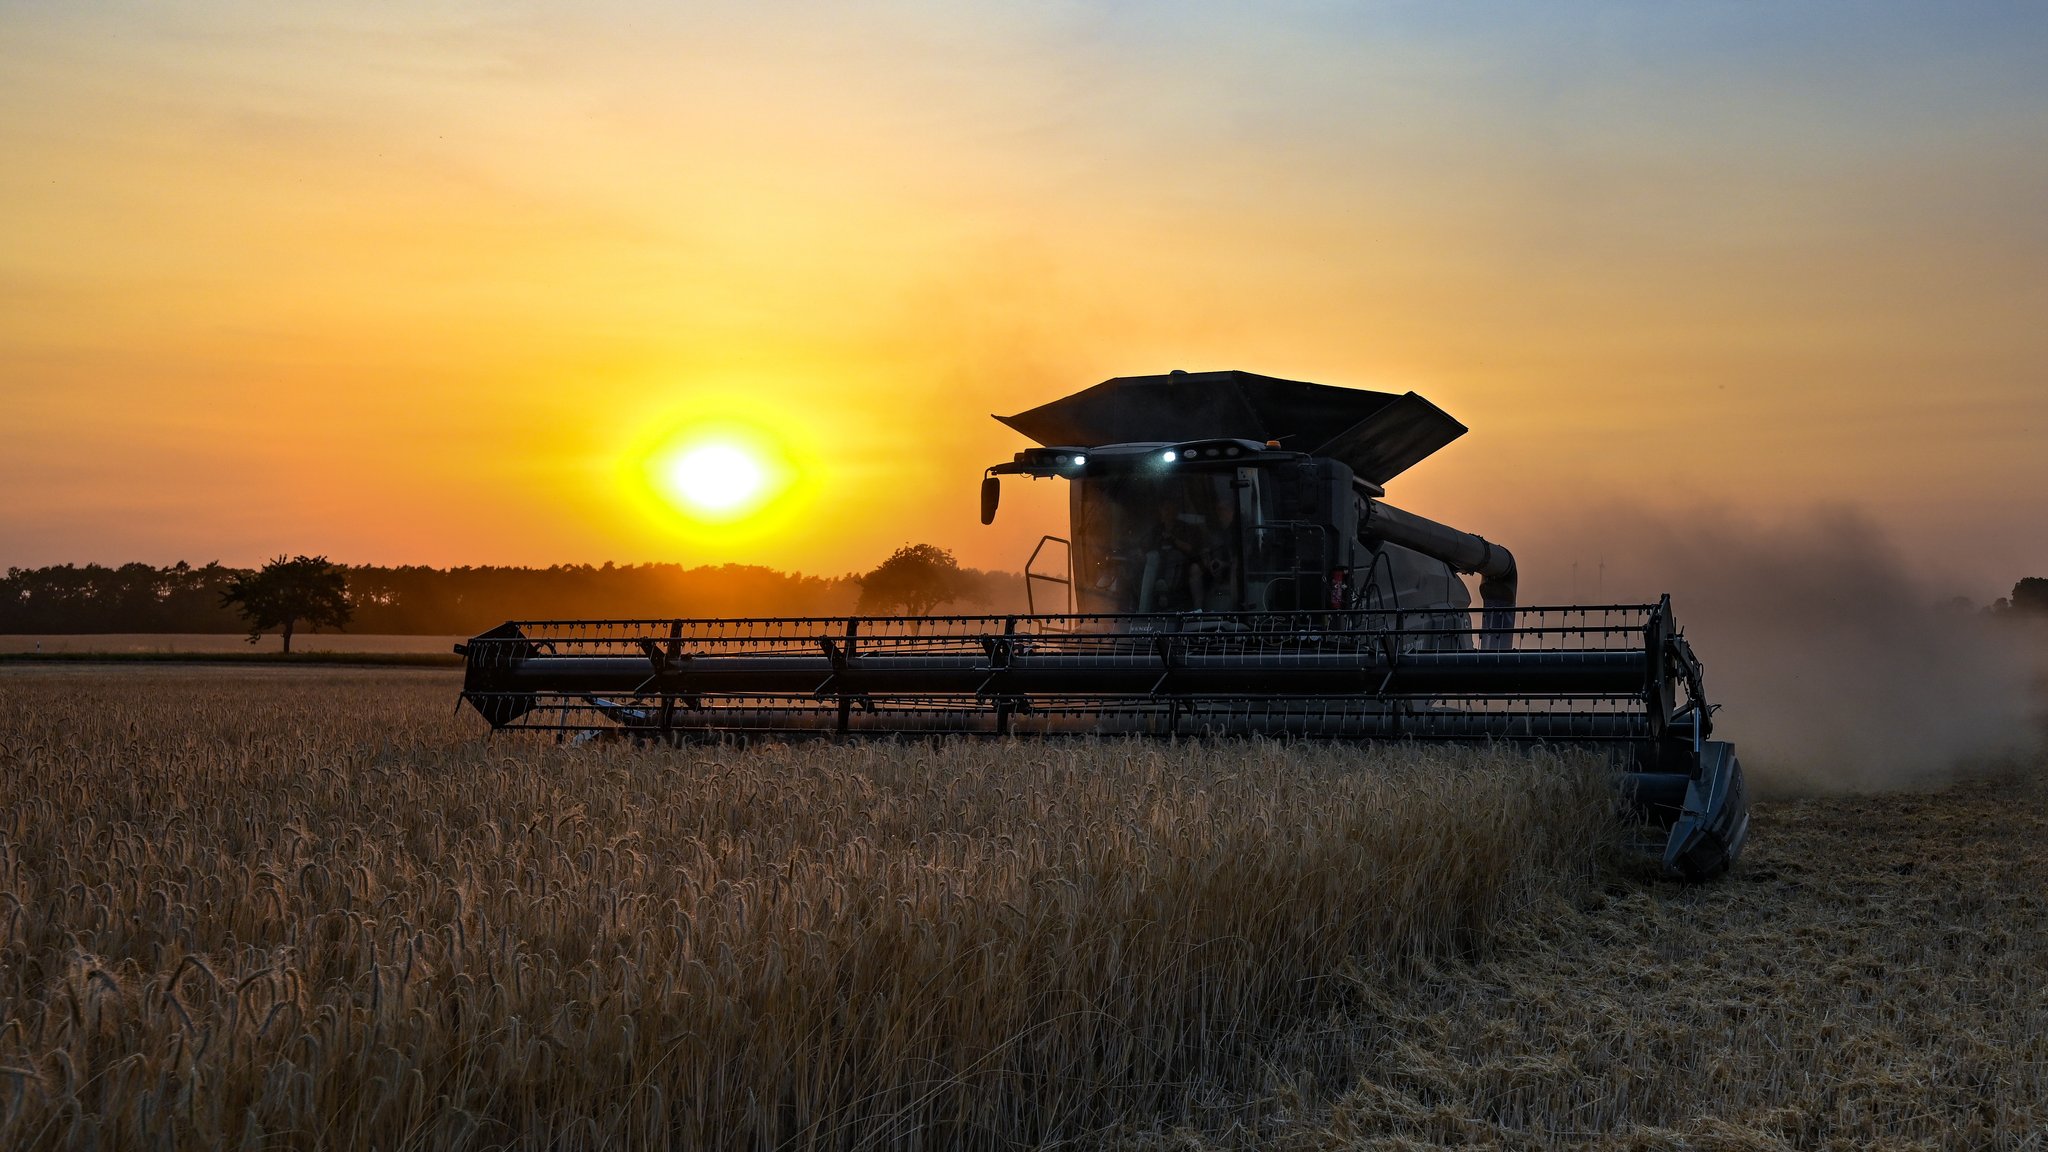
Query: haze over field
x=1838 y=668
x=473 y=285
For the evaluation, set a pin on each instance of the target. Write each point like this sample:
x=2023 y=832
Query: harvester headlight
x=1080 y=460
x=1169 y=455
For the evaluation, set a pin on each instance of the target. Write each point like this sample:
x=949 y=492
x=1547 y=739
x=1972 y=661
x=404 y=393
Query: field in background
x=238 y=908
x=121 y=642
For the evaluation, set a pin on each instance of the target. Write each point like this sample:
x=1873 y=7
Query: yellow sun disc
x=717 y=478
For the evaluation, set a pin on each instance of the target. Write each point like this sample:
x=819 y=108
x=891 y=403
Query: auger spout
x=1463 y=551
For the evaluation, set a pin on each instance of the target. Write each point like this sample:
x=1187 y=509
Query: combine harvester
x=1232 y=571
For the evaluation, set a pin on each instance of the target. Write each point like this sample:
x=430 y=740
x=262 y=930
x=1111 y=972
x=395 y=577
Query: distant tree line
x=417 y=600
x=2029 y=597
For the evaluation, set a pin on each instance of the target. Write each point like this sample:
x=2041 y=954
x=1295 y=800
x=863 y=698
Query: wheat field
x=313 y=909
x=1873 y=976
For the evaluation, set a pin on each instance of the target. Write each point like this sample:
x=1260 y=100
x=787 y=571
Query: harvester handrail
x=1578 y=609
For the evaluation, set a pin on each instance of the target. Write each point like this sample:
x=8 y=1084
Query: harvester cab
x=1232 y=526
x=1233 y=571
x=1267 y=498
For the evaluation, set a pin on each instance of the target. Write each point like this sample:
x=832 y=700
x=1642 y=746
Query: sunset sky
x=466 y=283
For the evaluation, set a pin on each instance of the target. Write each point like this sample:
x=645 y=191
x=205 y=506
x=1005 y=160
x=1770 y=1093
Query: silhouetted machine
x=1232 y=571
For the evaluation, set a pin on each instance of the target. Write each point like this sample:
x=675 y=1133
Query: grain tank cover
x=1378 y=434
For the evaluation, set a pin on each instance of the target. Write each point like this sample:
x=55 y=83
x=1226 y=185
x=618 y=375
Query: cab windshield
x=1156 y=543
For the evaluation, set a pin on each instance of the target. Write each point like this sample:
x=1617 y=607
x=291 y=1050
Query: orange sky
x=430 y=288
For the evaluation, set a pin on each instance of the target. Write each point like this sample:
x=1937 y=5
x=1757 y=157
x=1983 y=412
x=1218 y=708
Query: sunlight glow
x=718 y=477
x=716 y=480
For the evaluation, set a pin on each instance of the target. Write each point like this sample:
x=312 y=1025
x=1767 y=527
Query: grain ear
x=311 y=911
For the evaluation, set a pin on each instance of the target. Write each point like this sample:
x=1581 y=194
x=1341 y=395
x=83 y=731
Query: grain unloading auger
x=1232 y=571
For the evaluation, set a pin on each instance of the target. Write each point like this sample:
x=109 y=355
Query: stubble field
x=311 y=909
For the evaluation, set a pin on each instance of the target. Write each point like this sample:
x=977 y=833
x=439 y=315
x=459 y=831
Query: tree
x=2031 y=595
x=916 y=578
x=286 y=592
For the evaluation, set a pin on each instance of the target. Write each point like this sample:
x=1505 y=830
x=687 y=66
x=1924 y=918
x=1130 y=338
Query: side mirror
x=991 y=495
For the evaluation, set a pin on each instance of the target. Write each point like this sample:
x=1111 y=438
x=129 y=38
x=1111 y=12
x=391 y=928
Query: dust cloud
x=1837 y=667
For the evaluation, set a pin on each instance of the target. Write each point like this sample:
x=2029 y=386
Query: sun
x=718 y=481
x=718 y=478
